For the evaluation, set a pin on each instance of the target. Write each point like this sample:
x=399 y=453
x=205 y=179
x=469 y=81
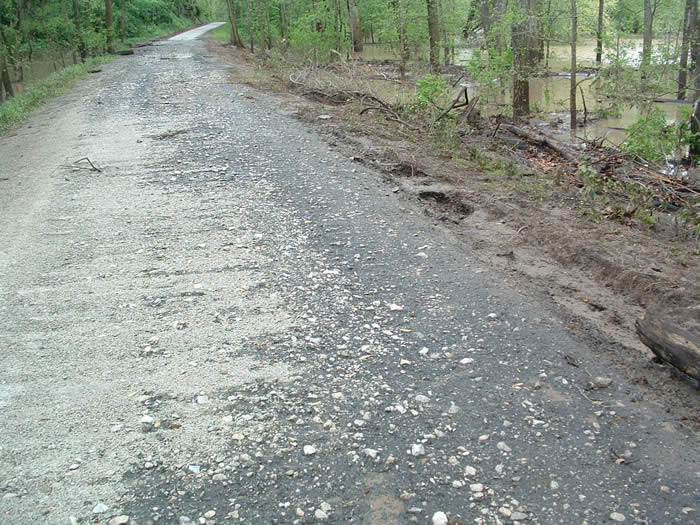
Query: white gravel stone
x=370 y=452
x=420 y=398
x=417 y=450
x=616 y=516
x=100 y=508
x=501 y=445
x=476 y=487
x=119 y=520
x=309 y=450
x=320 y=515
x=440 y=518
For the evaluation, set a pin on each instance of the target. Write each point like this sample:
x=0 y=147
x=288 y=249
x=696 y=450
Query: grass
x=15 y=110
x=222 y=32
x=20 y=106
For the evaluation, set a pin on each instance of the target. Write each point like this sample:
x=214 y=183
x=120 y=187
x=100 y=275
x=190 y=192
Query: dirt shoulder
x=603 y=275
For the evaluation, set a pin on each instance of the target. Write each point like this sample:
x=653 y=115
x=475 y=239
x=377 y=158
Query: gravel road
x=231 y=322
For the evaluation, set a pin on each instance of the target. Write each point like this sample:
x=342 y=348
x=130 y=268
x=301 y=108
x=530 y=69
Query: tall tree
x=695 y=118
x=599 y=33
x=400 y=16
x=355 y=26
x=4 y=73
x=122 y=20
x=520 y=36
x=108 y=26
x=572 y=82
x=80 y=38
x=235 y=36
x=434 y=33
x=689 y=20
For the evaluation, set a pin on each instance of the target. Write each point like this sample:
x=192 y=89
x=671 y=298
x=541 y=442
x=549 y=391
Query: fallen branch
x=91 y=168
x=539 y=139
x=390 y=115
x=671 y=344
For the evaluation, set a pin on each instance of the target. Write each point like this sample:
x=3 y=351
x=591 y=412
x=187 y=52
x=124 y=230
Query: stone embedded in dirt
x=469 y=471
x=420 y=398
x=501 y=445
x=324 y=117
x=100 y=508
x=476 y=487
x=372 y=453
x=119 y=520
x=395 y=307
x=601 y=382
x=440 y=518
x=518 y=516
x=616 y=516
x=209 y=514
x=309 y=450
x=325 y=507
x=202 y=400
x=417 y=450
x=320 y=515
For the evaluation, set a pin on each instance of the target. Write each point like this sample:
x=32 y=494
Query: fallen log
x=539 y=139
x=671 y=344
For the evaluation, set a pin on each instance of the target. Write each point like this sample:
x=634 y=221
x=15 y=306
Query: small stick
x=92 y=166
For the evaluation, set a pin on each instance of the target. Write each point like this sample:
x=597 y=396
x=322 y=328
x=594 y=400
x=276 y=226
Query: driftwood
x=124 y=52
x=671 y=344
x=537 y=138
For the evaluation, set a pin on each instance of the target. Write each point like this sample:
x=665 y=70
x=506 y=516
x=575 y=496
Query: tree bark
x=691 y=12
x=599 y=33
x=108 y=26
x=485 y=14
x=122 y=21
x=572 y=83
x=235 y=36
x=400 y=17
x=695 y=118
x=671 y=344
x=5 y=76
x=434 y=34
x=520 y=41
x=80 y=40
x=355 y=26
x=648 y=28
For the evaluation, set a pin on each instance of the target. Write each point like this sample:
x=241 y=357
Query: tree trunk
x=695 y=118
x=80 y=40
x=572 y=83
x=520 y=35
x=646 y=42
x=235 y=36
x=108 y=26
x=400 y=17
x=355 y=26
x=284 y=20
x=485 y=14
x=671 y=343
x=434 y=34
x=691 y=13
x=599 y=34
x=122 y=21
x=5 y=76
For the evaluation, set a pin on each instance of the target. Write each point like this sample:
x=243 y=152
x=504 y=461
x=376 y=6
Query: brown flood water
x=43 y=64
x=549 y=96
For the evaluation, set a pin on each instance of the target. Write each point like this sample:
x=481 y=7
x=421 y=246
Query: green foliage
x=651 y=138
x=430 y=89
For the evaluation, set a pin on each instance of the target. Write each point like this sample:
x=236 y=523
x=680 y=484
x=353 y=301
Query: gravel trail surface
x=231 y=322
